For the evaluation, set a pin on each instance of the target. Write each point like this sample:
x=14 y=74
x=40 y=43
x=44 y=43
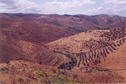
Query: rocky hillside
x=68 y=46
x=94 y=50
x=90 y=47
x=24 y=36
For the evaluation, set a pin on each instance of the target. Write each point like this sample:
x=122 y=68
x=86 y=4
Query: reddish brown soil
x=31 y=39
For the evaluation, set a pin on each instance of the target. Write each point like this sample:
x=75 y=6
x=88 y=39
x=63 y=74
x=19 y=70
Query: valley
x=50 y=49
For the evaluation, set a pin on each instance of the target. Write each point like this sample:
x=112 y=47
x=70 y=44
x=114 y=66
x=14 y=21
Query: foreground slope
x=22 y=72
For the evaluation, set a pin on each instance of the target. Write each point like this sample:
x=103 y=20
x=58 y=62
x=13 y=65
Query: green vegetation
x=60 y=79
x=43 y=80
x=21 y=80
x=41 y=74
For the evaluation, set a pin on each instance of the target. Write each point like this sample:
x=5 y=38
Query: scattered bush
x=42 y=74
x=21 y=80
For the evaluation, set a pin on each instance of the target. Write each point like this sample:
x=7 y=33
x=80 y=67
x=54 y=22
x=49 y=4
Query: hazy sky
x=88 y=7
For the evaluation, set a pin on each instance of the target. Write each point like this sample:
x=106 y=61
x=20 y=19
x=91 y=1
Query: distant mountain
x=26 y=27
x=46 y=28
x=104 y=21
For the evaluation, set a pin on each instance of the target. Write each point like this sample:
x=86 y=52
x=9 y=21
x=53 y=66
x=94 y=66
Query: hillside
x=62 y=48
x=93 y=50
x=30 y=30
x=71 y=23
x=42 y=29
x=20 y=31
x=116 y=61
x=75 y=43
x=110 y=70
x=15 y=49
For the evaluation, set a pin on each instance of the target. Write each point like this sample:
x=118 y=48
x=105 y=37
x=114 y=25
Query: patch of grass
x=21 y=80
x=43 y=80
x=58 y=79
x=41 y=74
x=32 y=77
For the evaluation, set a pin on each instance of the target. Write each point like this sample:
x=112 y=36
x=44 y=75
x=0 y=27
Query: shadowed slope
x=13 y=49
x=30 y=30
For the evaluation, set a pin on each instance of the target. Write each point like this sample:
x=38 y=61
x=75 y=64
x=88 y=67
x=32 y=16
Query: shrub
x=39 y=74
x=21 y=80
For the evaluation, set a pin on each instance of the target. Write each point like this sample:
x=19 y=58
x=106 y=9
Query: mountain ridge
x=81 y=48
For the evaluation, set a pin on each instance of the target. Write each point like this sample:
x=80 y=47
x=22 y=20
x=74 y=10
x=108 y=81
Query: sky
x=72 y=7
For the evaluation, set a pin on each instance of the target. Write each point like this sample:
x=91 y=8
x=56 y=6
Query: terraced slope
x=95 y=49
x=35 y=73
x=75 y=43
